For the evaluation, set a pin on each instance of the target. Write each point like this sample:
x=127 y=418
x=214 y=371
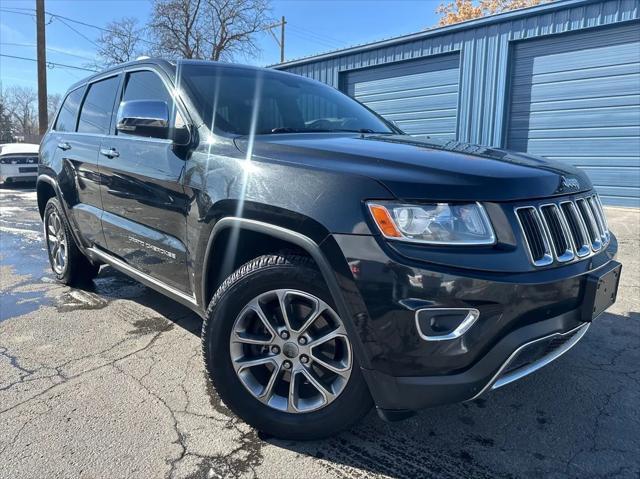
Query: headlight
x=438 y=223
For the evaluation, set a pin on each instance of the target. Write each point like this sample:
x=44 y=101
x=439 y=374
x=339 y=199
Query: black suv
x=337 y=262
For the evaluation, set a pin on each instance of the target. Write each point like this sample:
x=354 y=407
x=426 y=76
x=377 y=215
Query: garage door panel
x=617 y=196
x=589 y=104
x=578 y=133
x=576 y=98
x=435 y=126
x=606 y=176
x=603 y=117
x=541 y=62
x=422 y=114
x=445 y=78
x=590 y=88
x=421 y=96
x=577 y=74
x=435 y=103
x=412 y=93
x=583 y=146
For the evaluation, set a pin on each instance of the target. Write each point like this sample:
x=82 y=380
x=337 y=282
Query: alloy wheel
x=56 y=241
x=290 y=350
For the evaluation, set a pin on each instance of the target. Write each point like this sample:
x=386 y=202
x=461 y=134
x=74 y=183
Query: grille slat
x=589 y=222
x=563 y=231
x=581 y=243
x=535 y=235
x=558 y=232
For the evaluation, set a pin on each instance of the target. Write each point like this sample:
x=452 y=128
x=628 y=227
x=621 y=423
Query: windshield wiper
x=363 y=130
x=287 y=129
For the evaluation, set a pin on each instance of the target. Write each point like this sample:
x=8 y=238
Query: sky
x=313 y=26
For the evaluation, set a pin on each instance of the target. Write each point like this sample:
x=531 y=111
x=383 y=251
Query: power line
x=62 y=19
x=50 y=64
x=313 y=39
x=79 y=33
x=320 y=36
x=51 y=49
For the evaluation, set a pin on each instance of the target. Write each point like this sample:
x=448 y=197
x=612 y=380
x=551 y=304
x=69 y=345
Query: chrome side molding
x=147 y=280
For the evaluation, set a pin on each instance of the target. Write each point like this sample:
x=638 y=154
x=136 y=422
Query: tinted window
x=145 y=85
x=95 y=116
x=69 y=112
x=226 y=98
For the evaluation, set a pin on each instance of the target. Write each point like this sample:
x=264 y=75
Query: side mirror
x=146 y=118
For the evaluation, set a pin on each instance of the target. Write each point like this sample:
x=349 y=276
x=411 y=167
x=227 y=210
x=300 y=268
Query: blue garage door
x=576 y=98
x=421 y=96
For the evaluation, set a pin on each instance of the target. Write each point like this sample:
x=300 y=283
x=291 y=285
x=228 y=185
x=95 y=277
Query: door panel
x=144 y=207
x=144 y=219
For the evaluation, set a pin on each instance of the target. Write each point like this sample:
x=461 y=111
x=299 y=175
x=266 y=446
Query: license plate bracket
x=601 y=290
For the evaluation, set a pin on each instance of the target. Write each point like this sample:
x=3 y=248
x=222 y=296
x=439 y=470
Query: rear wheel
x=278 y=353
x=68 y=263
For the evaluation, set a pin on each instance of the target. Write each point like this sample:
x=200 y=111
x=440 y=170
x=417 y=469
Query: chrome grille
x=563 y=231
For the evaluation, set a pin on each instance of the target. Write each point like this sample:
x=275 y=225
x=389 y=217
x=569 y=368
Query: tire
x=293 y=280
x=68 y=264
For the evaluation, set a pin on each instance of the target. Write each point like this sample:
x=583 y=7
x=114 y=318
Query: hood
x=417 y=169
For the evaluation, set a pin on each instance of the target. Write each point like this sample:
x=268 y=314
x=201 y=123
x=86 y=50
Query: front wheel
x=278 y=353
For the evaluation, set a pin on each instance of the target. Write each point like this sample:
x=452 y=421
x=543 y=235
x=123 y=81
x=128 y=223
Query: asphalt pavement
x=108 y=382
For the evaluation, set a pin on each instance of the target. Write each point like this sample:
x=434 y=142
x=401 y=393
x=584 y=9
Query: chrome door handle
x=109 y=152
x=64 y=146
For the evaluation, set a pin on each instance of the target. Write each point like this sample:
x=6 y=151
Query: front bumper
x=526 y=321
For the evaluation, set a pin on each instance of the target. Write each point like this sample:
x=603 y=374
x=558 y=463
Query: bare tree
x=176 y=28
x=120 y=42
x=22 y=108
x=232 y=25
x=208 y=29
x=458 y=11
x=6 y=122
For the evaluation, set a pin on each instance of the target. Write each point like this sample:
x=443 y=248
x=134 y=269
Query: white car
x=18 y=162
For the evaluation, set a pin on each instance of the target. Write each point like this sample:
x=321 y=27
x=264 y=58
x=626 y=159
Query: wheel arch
x=46 y=188
x=299 y=241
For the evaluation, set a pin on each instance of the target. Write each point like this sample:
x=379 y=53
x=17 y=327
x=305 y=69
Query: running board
x=175 y=294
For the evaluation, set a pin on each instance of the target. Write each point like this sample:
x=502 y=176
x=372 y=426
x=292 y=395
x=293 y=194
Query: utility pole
x=41 y=48
x=282 y=24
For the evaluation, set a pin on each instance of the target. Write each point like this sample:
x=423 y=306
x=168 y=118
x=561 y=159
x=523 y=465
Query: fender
x=306 y=244
x=73 y=227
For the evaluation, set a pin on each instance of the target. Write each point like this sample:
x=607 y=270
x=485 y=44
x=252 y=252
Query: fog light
x=444 y=324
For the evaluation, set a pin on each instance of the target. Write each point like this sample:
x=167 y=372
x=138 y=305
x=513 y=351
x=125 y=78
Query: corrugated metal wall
x=485 y=48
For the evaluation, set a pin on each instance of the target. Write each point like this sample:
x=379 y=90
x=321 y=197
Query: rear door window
x=95 y=115
x=69 y=112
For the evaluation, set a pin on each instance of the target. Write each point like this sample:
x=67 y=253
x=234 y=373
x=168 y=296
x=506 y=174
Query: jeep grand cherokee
x=337 y=262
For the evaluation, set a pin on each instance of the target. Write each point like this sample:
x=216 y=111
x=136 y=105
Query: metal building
x=561 y=80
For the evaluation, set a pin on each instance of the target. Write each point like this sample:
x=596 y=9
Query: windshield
x=225 y=97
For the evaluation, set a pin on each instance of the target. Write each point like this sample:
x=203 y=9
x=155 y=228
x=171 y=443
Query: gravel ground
x=108 y=382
